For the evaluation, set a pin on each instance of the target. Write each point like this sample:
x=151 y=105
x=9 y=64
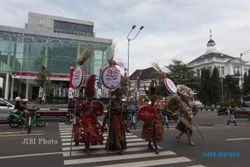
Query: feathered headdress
x=90 y=88
x=84 y=56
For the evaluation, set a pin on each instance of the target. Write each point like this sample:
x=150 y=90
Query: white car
x=5 y=109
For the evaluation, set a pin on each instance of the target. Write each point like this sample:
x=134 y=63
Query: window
x=236 y=70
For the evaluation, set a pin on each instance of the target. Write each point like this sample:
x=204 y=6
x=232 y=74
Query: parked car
x=5 y=108
x=241 y=112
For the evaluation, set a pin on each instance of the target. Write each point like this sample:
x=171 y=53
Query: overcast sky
x=174 y=29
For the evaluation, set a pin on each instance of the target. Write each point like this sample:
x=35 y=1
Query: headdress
x=185 y=92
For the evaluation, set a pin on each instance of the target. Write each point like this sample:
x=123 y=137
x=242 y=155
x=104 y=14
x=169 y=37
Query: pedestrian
x=231 y=117
x=133 y=121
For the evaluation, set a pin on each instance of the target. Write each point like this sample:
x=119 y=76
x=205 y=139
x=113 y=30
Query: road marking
x=102 y=146
x=238 y=139
x=128 y=141
x=18 y=132
x=102 y=151
x=18 y=135
x=197 y=166
x=30 y=155
x=128 y=138
x=116 y=157
x=151 y=162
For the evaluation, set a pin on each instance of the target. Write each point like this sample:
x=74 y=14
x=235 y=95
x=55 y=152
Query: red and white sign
x=170 y=85
x=33 y=76
x=111 y=77
x=78 y=77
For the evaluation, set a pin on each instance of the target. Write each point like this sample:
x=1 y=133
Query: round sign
x=111 y=77
x=170 y=85
x=147 y=113
x=78 y=77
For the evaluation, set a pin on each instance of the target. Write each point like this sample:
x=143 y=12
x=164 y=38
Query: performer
x=182 y=104
x=153 y=131
x=117 y=138
x=87 y=129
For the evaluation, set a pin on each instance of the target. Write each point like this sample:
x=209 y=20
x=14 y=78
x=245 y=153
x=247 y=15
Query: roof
x=147 y=73
x=210 y=55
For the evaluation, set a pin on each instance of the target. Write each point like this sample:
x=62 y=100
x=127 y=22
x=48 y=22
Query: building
x=227 y=65
x=143 y=77
x=50 y=41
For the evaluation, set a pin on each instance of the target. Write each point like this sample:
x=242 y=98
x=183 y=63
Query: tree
x=205 y=88
x=180 y=73
x=43 y=81
x=232 y=90
x=246 y=85
x=214 y=87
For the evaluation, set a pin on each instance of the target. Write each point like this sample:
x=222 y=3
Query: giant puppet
x=86 y=128
x=182 y=103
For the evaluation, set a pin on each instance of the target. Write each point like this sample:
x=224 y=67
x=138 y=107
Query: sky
x=173 y=29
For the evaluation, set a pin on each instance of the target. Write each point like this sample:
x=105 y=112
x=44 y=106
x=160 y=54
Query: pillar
x=27 y=89
x=12 y=88
x=7 y=82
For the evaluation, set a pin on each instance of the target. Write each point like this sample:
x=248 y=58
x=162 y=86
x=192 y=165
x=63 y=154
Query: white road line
x=151 y=162
x=30 y=155
x=128 y=141
x=197 y=166
x=128 y=138
x=118 y=157
x=66 y=135
x=238 y=139
x=81 y=147
x=102 y=151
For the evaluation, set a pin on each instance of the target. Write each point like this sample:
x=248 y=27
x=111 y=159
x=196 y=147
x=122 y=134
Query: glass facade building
x=50 y=41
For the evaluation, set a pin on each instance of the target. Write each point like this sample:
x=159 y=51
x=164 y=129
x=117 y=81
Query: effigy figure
x=116 y=137
x=87 y=129
x=183 y=105
x=152 y=130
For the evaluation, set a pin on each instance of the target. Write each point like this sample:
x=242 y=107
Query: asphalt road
x=49 y=147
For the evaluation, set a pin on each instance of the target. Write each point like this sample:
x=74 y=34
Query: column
x=12 y=88
x=27 y=89
x=7 y=82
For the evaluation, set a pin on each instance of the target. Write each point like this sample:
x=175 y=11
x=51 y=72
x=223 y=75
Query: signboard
x=33 y=76
x=170 y=85
x=52 y=116
x=111 y=77
x=78 y=77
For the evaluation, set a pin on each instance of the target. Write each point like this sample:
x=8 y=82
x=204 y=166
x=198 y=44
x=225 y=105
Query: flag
x=71 y=89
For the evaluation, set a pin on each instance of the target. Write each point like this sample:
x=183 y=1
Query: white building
x=227 y=65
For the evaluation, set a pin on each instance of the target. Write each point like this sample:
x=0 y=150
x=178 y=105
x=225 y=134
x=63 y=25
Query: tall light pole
x=130 y=39
x=241 y=73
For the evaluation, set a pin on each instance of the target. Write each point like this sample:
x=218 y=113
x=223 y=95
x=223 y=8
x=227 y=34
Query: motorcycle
x=16 y=119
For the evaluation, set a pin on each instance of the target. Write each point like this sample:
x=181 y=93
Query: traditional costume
x=183 y=105
x=116 y=137
x=87 y=129
x=152 y=130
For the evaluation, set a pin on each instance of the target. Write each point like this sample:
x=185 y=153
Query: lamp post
x=241 y=73
x=130 y=39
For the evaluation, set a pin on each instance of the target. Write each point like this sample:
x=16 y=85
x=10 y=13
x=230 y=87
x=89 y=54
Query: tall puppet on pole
x=86 y=128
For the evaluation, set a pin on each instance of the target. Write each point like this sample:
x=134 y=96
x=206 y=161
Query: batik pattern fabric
x=116 y=138
x=154 y=130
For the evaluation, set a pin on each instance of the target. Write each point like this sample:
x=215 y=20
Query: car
x=241 y=112
x=5 y=108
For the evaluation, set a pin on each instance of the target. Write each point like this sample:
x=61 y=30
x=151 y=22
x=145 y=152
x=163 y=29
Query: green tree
x=232 y=90
x=180 y=73
x=205 y=88
x=246 y=86
x=43 y=80
x=214 y=87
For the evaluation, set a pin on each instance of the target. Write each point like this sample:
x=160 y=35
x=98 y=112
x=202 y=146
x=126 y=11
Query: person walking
x=231 y=117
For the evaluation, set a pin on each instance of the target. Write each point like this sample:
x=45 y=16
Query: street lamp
x=241 y=77
x=130 y=39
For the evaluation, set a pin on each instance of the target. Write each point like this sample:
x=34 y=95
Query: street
x=224 y=146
